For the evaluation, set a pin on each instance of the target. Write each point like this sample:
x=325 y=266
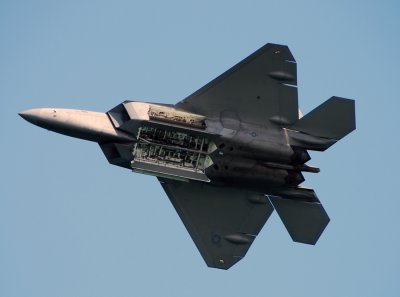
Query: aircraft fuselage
x=227 y=155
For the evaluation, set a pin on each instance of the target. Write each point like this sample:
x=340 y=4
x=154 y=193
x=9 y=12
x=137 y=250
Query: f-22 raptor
x=227 y=155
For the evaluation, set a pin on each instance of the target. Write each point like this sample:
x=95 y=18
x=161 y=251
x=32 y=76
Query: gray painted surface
x=220 y=151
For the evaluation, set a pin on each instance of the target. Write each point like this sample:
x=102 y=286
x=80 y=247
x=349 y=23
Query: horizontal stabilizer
x=333 y=119
x=305 y=221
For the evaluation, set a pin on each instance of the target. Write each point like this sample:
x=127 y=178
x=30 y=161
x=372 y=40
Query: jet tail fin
x=333 y=119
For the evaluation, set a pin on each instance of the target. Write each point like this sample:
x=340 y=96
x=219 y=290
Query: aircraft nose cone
x=31 y=115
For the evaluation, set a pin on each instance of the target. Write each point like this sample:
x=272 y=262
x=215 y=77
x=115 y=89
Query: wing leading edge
x=261 y=87
x=223 y=222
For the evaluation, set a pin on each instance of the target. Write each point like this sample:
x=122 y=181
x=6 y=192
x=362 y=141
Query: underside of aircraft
x=228 y=155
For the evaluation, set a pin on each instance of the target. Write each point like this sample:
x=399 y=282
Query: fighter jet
x=227 y=155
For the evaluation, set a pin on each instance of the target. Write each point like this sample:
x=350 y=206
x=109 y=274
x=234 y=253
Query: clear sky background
x=73 y=225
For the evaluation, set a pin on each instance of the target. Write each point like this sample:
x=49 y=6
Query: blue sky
x=73 y=225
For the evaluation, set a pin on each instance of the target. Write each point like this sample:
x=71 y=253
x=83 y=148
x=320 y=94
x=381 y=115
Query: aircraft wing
x=261 y=87
x=223 y=222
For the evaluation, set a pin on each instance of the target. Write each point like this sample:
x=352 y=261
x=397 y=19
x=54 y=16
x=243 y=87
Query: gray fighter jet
x=227 y=155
